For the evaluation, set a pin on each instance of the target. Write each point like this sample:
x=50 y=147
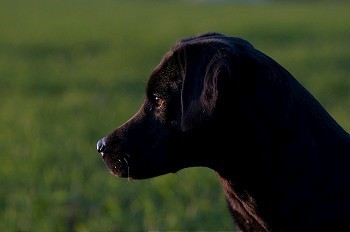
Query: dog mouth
x=135 y=162
x=117 y=165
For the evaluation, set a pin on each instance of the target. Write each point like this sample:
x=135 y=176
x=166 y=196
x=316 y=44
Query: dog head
x=192 y=97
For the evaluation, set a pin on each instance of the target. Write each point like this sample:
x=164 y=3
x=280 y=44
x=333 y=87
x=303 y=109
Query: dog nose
x=101 y=146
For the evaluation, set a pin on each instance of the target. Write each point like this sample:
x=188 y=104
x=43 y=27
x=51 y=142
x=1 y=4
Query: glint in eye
x=158 y=102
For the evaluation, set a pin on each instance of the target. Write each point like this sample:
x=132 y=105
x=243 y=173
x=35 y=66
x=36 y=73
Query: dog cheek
x=155 y=164
x=160 y=153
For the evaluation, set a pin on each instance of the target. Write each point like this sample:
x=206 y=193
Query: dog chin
x=121 y=166
x=122 y=170
x=119 y=174
x=137 y=173
x=117 y=167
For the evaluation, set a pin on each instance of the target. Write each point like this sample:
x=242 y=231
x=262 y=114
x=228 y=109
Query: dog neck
x=243 y=207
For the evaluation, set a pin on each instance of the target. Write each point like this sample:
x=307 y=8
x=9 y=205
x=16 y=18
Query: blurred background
x=72 y=70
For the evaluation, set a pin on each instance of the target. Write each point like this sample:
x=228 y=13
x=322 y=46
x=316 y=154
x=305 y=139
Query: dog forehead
x=166 y=75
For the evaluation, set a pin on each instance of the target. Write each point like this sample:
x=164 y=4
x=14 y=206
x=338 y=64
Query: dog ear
x=202 y=73
x=261 y=83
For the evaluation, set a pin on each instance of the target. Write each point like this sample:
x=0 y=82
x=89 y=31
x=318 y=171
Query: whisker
x=127 y=164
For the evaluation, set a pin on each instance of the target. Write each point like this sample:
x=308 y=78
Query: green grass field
x=71 y=71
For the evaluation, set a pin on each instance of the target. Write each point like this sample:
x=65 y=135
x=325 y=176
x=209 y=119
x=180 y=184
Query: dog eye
x=158 y=102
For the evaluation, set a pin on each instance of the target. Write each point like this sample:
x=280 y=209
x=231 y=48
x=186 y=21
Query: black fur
x=216 y=101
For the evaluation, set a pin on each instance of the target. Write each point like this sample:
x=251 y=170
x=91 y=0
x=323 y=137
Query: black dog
x=217 y=102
